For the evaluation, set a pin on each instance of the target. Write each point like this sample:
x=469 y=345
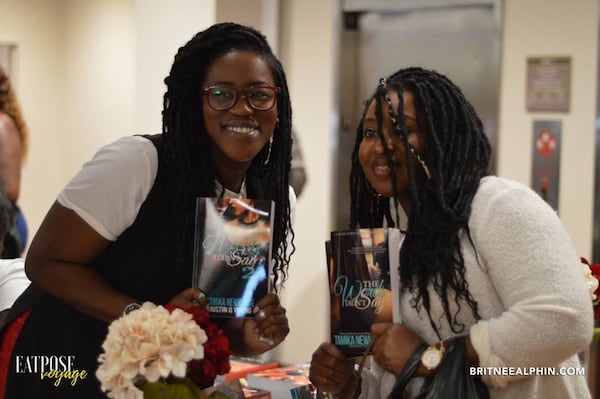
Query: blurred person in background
x=13 y=280
x=298 y=172
x=13 y=150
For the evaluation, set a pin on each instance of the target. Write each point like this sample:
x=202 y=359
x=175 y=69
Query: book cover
x=284 y=382
x=241 y=368
x=359 y=283
x=235 y=389
x=252 y=393
x=307 y=392
x=232 y=253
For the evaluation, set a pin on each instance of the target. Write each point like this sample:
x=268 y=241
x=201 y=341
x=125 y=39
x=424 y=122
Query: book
x=359 y=284
x=231 y=389
x=241 y=368
x=253 y=393
x=307 y=392
x=284 y=382
x=232 y=253
x=235 y=389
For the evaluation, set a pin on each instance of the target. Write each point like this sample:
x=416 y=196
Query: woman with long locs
x=122 y=230
x=485 y=262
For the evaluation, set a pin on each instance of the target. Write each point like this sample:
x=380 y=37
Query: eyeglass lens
x=259 y=98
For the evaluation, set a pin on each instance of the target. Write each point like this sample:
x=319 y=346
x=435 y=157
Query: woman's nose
x=387 y=141
x=241 y=106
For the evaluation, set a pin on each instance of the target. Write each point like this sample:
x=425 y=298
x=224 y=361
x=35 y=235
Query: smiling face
x=239 y=133
x=371 y=153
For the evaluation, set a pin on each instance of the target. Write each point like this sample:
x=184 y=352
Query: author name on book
x=229 y=305
x=350 y=340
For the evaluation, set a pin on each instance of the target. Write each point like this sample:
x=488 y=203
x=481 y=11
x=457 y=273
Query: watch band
x=131 y=307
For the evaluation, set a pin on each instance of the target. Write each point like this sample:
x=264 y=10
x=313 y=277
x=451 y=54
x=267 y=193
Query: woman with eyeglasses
x=122 y=231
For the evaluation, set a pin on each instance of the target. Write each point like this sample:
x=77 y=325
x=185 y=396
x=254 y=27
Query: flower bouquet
x=162 y=352
x=592 y=275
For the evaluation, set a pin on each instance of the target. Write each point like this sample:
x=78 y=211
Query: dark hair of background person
x=184 y=134
x=298 y=173
x=457 y=152
x=9 y=104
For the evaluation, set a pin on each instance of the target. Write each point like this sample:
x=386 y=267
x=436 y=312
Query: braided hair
x=10 y=106
x=457 y=154
x=187 y=153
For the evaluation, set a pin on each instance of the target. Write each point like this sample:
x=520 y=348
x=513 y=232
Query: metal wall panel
x=458 y=39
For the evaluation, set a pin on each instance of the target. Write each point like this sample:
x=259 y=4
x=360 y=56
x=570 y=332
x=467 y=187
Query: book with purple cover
x=232 y=253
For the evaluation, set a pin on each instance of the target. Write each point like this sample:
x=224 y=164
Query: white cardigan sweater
x=535 y=307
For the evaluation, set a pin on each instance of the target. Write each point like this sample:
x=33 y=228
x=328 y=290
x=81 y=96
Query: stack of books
x=285 y=382
x=240 y=368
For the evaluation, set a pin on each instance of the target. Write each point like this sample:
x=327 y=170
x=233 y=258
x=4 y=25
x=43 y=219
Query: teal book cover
x=232 y=253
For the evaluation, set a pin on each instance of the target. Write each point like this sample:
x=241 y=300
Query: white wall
x=309 y=57
x=98 y=77
x=551 y=28
x=34 y=27
x=162 y=27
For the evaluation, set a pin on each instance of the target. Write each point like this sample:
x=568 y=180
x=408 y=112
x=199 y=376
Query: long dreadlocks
x=457 y=153
x=187 y=145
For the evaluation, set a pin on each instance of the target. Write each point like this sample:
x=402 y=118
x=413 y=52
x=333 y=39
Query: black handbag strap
x=411 y=366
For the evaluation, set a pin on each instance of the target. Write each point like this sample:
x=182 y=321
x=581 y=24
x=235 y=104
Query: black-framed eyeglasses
x=260 y=98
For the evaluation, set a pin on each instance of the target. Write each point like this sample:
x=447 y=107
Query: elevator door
x=457 y=38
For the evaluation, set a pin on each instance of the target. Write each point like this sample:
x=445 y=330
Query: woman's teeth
x=241 y=129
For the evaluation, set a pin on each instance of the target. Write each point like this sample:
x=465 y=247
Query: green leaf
x=197 y=392
x=154 y=390
x=218 y=395
x=161 y=390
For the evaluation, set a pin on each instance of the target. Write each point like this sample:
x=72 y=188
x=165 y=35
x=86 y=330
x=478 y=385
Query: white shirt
x=527 y=279
x=109 y=190
x=13 y=281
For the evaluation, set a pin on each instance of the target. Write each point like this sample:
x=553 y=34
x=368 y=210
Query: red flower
x=216 y=349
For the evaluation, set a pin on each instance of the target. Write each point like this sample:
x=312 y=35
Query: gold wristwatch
x=432 y=356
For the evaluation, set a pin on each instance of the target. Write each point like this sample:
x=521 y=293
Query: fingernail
x=261 y=314
x=269 y=340
x=255 y=310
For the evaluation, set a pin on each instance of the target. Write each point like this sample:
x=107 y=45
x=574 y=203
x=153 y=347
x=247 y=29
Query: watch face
x=432 y=357
x=131 y=307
